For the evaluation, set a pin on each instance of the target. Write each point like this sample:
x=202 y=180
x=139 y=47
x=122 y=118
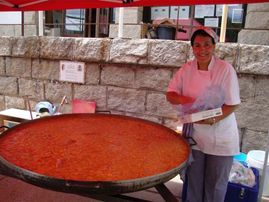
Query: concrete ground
x=14 y=190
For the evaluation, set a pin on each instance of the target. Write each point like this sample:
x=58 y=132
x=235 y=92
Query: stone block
x=251 y=114
x=228 y=52
x=54 y=92
x=254 y=59
x=131 y=15
x=30 y=30
x=17 y=30
x=247 y=87
x=254 y=140
x=128 y=100
x=57 y=48
x=8 y=86
x=2 y=103
x=91 y=93
x=14 y=102
x=45 y=69
x=152 y=79
x=90 y=49
x=129 y=51
x=18 y=67
x=257 y=20
x=6 y=45
x=137 y=31
x=2 y=66
x=93 y=72
x=30 y=17
x=34 y=89
x=258 y=7
x=167 y=52
x=7 y=30
x=255 y=37
x=117 y=76
x=27 y=47
x=262 y=91
x=156 y=104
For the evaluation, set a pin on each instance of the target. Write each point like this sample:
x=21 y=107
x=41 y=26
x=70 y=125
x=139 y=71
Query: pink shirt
x=221 y=138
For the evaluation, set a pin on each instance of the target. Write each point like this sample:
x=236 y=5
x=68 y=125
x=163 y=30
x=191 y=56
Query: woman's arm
x=175 y=98
x=226 y=111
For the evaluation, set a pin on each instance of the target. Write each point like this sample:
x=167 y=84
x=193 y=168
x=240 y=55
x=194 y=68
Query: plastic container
x=255 y=158
x=242 y=157
x=240 y=193
x=166 y=32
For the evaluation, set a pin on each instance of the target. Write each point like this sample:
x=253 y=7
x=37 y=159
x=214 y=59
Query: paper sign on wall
x=72 y=71
x=211 y=22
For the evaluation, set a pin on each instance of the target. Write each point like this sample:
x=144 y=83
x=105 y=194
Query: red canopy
x=33 y=5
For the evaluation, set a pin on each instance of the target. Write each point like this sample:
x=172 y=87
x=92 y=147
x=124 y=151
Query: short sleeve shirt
x=221 y=138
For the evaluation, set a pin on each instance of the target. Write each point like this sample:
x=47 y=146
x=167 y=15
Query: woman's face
x=203 y=49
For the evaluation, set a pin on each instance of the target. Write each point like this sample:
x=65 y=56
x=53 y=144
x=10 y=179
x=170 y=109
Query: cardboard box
x=240 y=193
x=198 y=116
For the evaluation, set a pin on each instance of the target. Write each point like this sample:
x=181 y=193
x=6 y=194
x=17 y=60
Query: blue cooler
x=240 y=193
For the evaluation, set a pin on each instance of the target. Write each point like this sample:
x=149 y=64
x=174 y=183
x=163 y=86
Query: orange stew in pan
x=93 y=148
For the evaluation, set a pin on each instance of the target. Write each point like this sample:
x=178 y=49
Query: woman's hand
x=226 y=111
x=175 y=98
x=209 y=121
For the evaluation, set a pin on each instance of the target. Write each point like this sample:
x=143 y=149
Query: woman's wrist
x=212 y=121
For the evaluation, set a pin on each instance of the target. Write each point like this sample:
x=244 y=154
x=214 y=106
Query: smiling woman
x=217 y=138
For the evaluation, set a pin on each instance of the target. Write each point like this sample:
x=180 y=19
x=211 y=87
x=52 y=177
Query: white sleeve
x=176 y=83
x=232 y=92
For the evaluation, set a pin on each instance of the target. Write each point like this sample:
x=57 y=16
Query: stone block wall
x=129 y=77
x=133 y=27
x=256 y=30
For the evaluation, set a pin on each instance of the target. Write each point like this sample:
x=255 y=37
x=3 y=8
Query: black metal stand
x=161 y=188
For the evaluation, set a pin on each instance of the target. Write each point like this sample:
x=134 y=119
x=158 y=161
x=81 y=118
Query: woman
x=217 y=138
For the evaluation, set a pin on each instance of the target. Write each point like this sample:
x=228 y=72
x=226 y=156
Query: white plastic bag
x=213 y=97
x=242 y=175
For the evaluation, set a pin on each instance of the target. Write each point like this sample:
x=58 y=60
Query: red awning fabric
x=35 y=5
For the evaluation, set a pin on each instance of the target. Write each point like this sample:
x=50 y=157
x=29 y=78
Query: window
x=78 y=22
x=187 y=17
x=74 y=22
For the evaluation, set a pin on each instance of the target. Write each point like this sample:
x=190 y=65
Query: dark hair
x=200 y=32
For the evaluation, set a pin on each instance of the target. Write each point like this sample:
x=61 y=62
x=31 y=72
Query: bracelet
x=213 y=121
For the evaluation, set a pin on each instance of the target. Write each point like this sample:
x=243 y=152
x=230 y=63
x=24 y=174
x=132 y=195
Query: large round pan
x=141 y=138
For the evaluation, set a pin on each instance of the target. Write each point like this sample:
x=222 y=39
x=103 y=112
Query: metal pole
x=121 y=13
x=40 y=24
x=264 y=171
x=22 y=23
x=26 y=97
x=97 y=25
x=191 y=25
x=223 y=23
x=177 y=21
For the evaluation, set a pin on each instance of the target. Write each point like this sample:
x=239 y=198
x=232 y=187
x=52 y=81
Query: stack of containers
x=255 y=158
